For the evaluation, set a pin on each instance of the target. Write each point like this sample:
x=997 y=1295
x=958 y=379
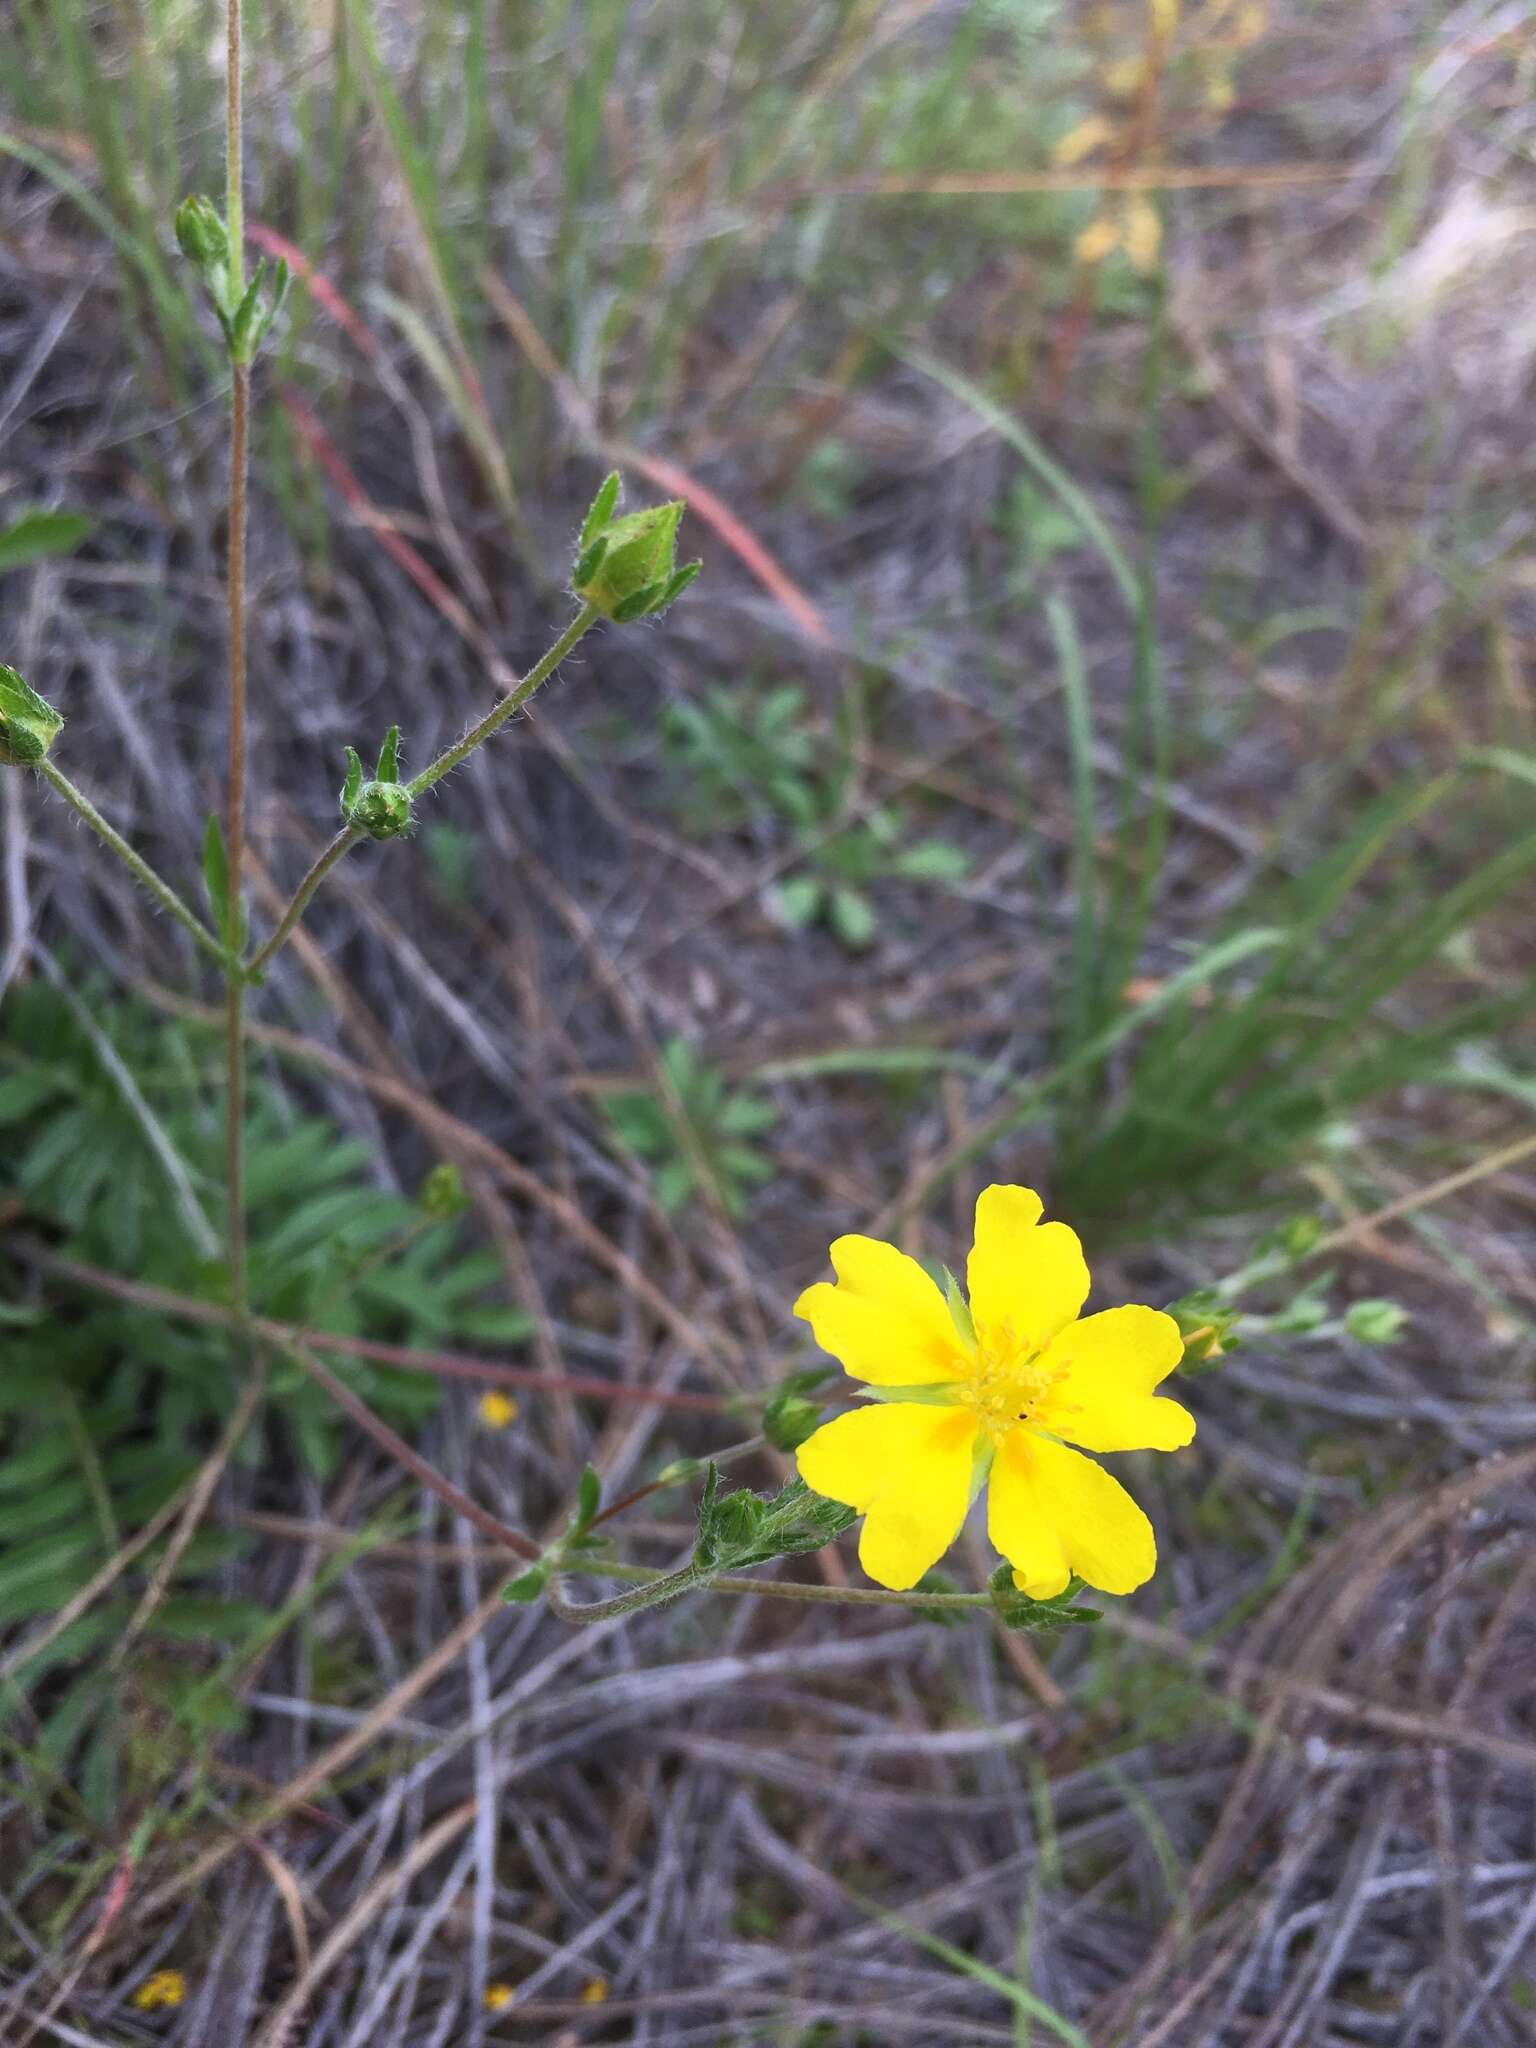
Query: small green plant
x=841 y=870
x=743 y=756
x=740 y=755
x=705 y=1141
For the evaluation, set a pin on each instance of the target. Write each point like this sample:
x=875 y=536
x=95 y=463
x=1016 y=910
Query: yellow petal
x=1027 y=1278
x=906 y=1467
x=1097 y=240
x=1141 y=234
x=1051 y=1511
x=1081 y=140
x=885 y=1320
x=1110 y=1364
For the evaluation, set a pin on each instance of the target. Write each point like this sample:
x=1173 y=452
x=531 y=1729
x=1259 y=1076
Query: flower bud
x=381 y=808
x=29 y=725
x=201 y=233
x=789 y=1418
x=626 y=566
x=1375 y=1322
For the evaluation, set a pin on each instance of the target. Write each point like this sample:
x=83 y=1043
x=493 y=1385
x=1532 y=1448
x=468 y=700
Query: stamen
x=1007 y=1384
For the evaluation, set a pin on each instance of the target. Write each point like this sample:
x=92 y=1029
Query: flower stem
x=343 y=843
x=446 y=762
x=239 y=422
x=514 y=701
x=652 y=1588
x=135 y=863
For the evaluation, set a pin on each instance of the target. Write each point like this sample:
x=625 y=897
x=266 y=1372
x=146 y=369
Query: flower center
x=1007 y=1384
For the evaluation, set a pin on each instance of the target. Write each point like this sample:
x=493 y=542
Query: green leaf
x=40 y=533
x=852 y=917
x=600 y=511
x=589 y=1498
x=216 y=879
x=1016 y=1610
x=528 y=1585
x=933 y=860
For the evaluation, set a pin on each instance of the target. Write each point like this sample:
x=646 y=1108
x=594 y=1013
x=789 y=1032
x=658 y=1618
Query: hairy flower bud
x=625 y=568
x=201 y=234
x=380 y=808
x=29 y=725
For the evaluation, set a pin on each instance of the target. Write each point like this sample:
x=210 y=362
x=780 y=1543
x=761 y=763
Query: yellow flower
x=994 y=1395
x=497 y=1410
x=1099 y=239
x=497 y=1996
x=164 y=1987
x=594 y=1991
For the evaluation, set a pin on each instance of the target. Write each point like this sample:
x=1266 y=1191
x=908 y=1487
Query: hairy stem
x=342 y=844
x=135 y=863
x=651 y=1588
x=446 y=762
x=514 y=701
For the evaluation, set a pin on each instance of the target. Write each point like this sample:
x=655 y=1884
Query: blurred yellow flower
x=162 y=1988
x=497 y=1410
x=595 y=1991
x=497 y=1996
x=1082 y=141
x=1141 y=232
x=1098 y=240
x=992 y=1395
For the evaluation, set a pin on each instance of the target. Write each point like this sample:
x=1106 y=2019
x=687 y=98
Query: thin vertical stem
x=234 y=149
x=239 y=418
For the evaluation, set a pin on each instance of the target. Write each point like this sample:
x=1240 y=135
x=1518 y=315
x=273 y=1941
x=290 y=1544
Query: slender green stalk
x=451 y=758
x=239 y=420
x=135 y=863
x=541 y=671
x=652 y=1588
x=343 y=843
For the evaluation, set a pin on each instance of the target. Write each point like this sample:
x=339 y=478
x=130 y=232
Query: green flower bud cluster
x=741 y=1528
x=625 y=568
x=381 y=808
x=29 y=725
x=245 y=316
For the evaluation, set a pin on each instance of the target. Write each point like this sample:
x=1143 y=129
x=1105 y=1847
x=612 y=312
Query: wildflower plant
x=995 y=1391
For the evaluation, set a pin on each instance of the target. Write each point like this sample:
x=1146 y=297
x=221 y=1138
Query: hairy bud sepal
x=626 y=567
x=29 y=725
x=381 y=807
x=202 y=235
x=741 y=1528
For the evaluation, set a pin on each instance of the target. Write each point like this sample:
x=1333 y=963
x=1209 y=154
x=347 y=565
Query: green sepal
x=29 y=725
x=676 y=585
x=388 y=769
x=1016 y=1610
x=602 y=508
x=959 y=1311
x=739 y=1529
x=589 y=1498
x=588 y=563
x=637 y=605
x=354 y=781
x=935 y=1394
